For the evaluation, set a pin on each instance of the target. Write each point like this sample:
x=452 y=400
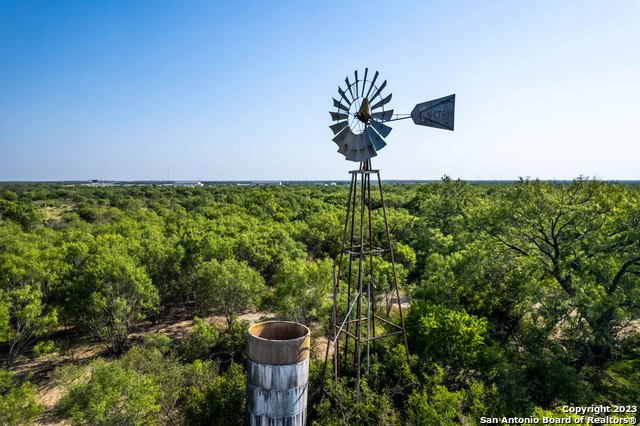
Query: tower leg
x=393 y=267
x=352 y=198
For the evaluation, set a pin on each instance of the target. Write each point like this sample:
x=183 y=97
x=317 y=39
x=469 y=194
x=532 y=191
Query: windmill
x=359 y=130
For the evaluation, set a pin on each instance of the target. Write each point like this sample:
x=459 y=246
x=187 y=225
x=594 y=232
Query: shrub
x=341 y=405
x=453 y=339
x=43 y=348
x=235 y=339
x=165 y=372
x=112 y=395
x=439 y=406
x=18 y=403
x=222 y=402
x=157 y=341
x=201 y=340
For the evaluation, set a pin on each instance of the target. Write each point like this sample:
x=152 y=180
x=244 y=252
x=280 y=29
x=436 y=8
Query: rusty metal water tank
x=277 y=373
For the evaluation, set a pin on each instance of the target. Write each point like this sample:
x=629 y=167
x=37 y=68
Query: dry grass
x=55 y=212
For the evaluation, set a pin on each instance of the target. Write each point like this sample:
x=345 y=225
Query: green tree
x=405 y=255
x=437 y=406
x=446 y=206
x=22 y=213
x=166 y=372
x=221 y=402
x=113 y=292
x=151 y=247
x=230 y=286
x=343 y=405
x=18 y=403
x=584 y=239
x=113 y=395
x=484 y=280
x=266 y=245
x=30 y=267
x=303 y=289
x=202 y=338
x=319 y=228
x=28 y=319
x=452 y=339
x=234 y=340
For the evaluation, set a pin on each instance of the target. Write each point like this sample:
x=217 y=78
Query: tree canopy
x=523 y=296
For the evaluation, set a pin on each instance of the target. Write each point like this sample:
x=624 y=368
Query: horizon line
x=172 y=181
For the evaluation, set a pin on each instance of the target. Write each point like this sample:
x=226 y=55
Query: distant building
x=266 y=182
x=188 y=183
x=260 y=183
x=98 y=182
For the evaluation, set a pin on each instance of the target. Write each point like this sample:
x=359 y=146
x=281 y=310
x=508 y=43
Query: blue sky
x=242 y=90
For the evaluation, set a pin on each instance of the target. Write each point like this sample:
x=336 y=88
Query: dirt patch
x=178 y=327
x=319 y=347
x=49 y=395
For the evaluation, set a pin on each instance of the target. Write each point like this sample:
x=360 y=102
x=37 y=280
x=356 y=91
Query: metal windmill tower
x=360 y=133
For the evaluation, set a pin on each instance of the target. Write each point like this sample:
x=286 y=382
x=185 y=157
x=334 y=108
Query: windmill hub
x=361 y=135
x=364 y=113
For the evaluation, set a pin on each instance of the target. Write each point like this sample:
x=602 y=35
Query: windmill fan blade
x=382 y=86
x=373 y=82
x=342 y=149
x=351 y=149
x=383 y=115
x=359 y=142
x=346 y=80
x=342 y=136
x=352 y=146
x=349 y=139
x=376 y=140
x=339 y=126
x=365 y=153
x=364 y=82
x=338 y=105
x=367 y=141
x=344 y=95
x=356 y=74
x=350 y=155
x=336 y=116
x=382 y=102
x=382 y=129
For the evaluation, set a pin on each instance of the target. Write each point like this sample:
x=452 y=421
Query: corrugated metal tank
x=277 y=374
